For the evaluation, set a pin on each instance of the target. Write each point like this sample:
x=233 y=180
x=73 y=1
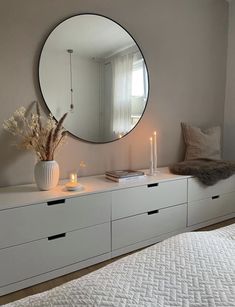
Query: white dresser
x=45 y=234
x=210 y=204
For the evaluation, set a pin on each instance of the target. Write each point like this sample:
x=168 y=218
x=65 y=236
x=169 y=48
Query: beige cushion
x=202 y=144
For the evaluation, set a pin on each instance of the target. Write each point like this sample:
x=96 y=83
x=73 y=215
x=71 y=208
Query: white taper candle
x=151 y=155
x=155 y=150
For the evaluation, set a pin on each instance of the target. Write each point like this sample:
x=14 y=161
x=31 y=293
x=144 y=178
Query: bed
x=194 y=269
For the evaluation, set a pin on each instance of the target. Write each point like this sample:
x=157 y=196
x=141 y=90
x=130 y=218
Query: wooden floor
x=60 y=280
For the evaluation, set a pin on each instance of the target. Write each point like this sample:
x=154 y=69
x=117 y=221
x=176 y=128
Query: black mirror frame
x=39 y=58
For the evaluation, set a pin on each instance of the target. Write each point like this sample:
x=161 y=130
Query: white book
x=126 y=179
x=124 y=173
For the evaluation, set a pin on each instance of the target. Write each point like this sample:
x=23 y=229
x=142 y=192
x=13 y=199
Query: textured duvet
x=190 y=269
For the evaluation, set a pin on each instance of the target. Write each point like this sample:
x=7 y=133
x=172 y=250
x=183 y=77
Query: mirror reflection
x=93 y=69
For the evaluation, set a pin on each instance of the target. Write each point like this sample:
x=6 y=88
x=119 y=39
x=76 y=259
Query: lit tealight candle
x=73 y=184
x=73 y=177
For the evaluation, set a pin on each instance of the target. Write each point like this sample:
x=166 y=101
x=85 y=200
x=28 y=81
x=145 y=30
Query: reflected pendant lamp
x=70 y=51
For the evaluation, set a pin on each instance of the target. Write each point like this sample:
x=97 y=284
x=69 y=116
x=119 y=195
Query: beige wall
x=229 y=111
x=184 y=43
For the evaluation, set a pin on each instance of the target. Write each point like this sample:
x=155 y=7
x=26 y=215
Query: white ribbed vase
x=46 y=174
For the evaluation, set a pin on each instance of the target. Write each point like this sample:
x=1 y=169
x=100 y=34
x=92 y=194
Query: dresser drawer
x=142 y=199
x=210 y=208
x=24 y=224
x=38 y=257
x=198 y=191
x=145 y=226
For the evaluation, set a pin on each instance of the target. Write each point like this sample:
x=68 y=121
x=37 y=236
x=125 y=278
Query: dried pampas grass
x=43 y=136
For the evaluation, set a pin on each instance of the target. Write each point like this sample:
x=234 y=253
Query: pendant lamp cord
x=70 y=51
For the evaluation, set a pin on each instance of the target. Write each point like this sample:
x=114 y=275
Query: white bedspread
x=191 y=269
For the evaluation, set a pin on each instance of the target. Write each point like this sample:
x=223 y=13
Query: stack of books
x=124 y=175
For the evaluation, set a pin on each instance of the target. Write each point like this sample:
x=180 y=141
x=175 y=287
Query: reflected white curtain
x=122 y=67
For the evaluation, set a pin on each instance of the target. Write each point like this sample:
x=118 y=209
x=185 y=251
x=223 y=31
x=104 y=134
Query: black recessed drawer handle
x=151 y=185
x=61 y=235
x=56 y=202
x=216 y=196
x=153 y=212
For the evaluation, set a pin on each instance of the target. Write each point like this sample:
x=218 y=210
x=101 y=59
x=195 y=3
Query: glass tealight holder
x=73 y=184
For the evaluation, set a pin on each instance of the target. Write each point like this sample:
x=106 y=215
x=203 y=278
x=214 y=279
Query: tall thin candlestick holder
x=151 y=172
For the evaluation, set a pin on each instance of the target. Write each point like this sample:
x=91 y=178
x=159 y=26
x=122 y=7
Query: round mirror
x=93 y=69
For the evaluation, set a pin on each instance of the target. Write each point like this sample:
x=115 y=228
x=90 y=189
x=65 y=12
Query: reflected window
x=139 y=86
x=129 y=77
x=137 y=79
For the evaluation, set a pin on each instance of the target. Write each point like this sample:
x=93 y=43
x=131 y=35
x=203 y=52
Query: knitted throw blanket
x=207 y=171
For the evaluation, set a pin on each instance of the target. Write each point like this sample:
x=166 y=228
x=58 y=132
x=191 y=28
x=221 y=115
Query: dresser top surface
x=23 y=195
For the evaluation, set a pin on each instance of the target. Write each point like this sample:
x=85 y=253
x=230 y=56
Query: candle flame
x=73 y=178
x=155 y=132
x=151 y=139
